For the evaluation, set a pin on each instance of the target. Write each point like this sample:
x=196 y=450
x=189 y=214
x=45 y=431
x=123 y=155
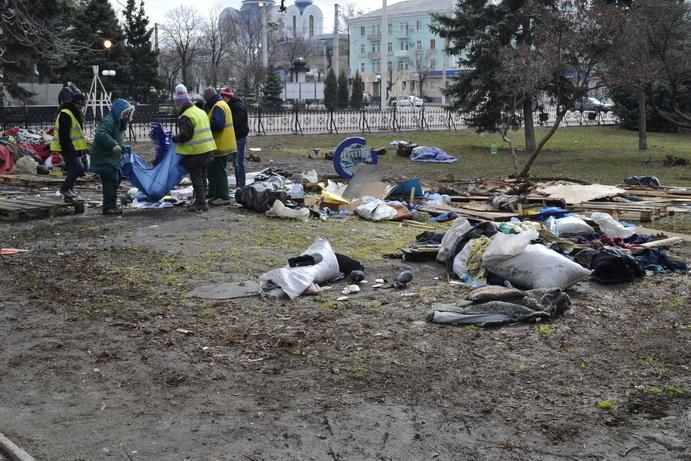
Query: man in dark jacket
x=69 y=140
x=242 y=130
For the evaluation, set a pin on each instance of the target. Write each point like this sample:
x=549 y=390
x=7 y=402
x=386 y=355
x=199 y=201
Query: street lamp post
x=381 y=97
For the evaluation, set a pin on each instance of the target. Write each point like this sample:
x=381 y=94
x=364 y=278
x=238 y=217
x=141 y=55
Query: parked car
x=406 y=101
x=590 y=104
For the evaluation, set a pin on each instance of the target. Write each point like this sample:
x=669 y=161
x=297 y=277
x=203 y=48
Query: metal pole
x=383 y=43
x=265 y=37
x=445 y=63
x=336 y=55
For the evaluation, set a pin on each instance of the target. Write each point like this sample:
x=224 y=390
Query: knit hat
x=181 y=96
x=209 y=93
x=227 y=92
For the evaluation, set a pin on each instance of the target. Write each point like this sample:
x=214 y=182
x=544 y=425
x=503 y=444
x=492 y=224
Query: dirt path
x=93 y=367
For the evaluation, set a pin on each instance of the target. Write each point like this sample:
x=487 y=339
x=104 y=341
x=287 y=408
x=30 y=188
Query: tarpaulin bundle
x=6 y=160
x=154 y=182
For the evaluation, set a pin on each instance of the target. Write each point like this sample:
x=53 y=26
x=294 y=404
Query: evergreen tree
x=343 y=93
x=273 y=87
x=144 y=71
x=358 y=91
x=95 y=23
x=32 y=43
x=331 y=91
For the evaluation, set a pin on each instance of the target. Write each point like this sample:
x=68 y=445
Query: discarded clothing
x=487 y=229
x=611 y=266
x=431 y=155
x=445 y=217
x=430 y=238
x=260 y=196
x=505 y=202
x=646 y=181
x=404 y=189
x=551 y=211
x=656 y=260
x=529 y=306
x=467 y=264
x=346 y=264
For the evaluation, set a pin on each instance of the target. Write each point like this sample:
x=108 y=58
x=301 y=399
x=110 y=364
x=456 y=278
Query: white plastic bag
x=505 y=246
x=279 y=210
x=538 y=267
x=569 y=225
x=374 y=209
x=611 y=227
x=460 y=227
x=295 y=280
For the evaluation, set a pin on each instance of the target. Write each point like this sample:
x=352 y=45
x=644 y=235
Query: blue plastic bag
x=431 y=155
x=154 y=182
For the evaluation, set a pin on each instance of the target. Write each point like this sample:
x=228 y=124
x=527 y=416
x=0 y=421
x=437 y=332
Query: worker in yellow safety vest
x=195 y=143
x=221 y=120
x=69 y=140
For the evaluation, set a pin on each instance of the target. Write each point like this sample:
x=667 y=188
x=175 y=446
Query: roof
x=410 y=7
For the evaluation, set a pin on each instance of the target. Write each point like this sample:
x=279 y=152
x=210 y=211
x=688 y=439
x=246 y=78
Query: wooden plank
x=10 y=205
x=663 y=243
x=483 y=215
x=42 y=203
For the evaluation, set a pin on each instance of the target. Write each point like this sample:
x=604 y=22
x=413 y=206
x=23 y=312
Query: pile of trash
x=25 y=151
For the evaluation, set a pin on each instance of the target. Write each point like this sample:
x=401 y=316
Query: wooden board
x=15 y=209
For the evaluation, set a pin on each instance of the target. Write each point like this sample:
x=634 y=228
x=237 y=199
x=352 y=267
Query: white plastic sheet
x=611 y=227
x=295 y=280
x=279 y=210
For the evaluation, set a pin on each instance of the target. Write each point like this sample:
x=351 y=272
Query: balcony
x=374 y=37
x=402 y=53
x=373 y=55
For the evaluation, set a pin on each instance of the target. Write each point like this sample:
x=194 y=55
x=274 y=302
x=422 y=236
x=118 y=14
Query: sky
x=156 y=9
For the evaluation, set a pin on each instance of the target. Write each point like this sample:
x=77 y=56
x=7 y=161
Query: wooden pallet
x=16 y=209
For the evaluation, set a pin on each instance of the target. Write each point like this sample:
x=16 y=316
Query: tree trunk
x=529 y=126
x=642 y=121
x=526 y=169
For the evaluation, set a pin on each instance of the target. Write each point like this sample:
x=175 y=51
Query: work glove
x=117 y=150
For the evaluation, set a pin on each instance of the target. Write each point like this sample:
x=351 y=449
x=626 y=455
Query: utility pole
x=445 y=63
x=336 y=55
x=265 y=36
x=383 y=44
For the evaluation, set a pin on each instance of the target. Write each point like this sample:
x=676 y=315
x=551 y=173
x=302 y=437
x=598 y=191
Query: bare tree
x=423 y=67
x=217 y=40
x=631 y=63
x=182 y=33
x=169 y=68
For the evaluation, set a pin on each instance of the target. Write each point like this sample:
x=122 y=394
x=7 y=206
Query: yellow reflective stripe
x=201 y=141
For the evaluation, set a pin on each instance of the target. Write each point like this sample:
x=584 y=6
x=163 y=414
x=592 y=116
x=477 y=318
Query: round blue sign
x=350 y=153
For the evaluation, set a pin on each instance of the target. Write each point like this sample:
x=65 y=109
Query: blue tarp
x=154 y=182
x=431 y=155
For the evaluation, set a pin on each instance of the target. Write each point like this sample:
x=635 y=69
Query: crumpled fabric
x=656 y=260
x=431 y=155
x=528 y=306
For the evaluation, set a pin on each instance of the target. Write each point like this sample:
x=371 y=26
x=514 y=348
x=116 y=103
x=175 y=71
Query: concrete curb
x=13 y=451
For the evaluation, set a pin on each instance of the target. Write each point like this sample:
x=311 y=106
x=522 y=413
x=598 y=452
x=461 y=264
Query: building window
x=362 y=50
x=374 y=47
x=295 y=26
x=419 y=45
x=311 y=26
x=389 y=47
x=362 y=28
x=417 y=26
x=390 y=28
x=404 y=45
x=403 y=85
x=432 y=44
x=389 y=66
x=412 y=86
x=403 y=28
x=362 y=67
x=433 y=63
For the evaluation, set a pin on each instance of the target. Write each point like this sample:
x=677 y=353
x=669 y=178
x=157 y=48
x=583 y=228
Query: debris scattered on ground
x=228 y=290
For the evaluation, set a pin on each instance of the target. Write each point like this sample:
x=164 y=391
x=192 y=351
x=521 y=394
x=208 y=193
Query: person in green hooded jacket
x=107 y=151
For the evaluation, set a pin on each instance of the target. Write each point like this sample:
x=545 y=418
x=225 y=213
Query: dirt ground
x=93 y=367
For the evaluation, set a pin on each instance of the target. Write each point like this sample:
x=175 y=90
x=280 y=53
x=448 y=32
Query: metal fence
x=303 y=121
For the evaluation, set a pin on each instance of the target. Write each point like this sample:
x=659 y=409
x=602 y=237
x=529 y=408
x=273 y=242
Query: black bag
x=610 y=267
x=259 y=196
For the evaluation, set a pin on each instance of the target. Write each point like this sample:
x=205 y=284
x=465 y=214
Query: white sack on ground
x=374 y=209
x=611 y=227
x=538 y=267
x=295 y=280
x=570 y=225
x=460 y=227
x=279 y=210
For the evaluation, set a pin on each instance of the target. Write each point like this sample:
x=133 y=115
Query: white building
x=303 y=20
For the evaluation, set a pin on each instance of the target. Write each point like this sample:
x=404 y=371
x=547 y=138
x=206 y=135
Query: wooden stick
x=663 y=243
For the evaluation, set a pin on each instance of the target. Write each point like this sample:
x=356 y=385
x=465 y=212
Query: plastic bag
x=611 y=227
x=535 y=267
x=279 y=210
x=375 y=210
x=505 y=246
x=295 y=280
x=154 y=181
x=460 y=227
x=25 y=165
x=467 y=265
x=570 y=225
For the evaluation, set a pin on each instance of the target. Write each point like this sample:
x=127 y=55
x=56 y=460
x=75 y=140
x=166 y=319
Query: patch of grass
x=607 y=405
x=606 y=155
x=472 y=328
x=544 y=331
x=672 y=392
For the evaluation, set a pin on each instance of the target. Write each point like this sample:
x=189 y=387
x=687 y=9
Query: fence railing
x=306 y=121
